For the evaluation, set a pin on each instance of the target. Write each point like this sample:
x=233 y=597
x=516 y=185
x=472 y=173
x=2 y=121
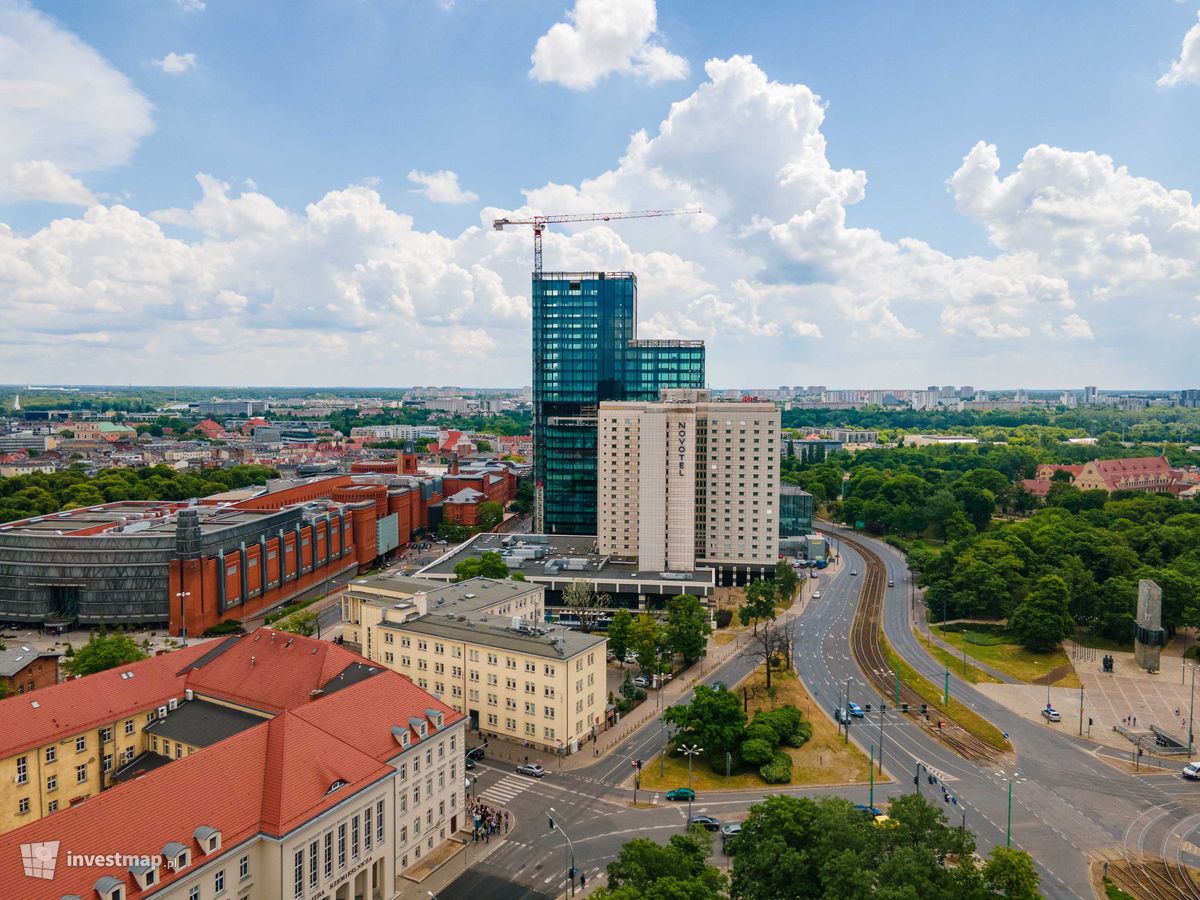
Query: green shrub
x=787 y=722
x=778 y=770
x=760 y=730
x=229 y=626
x=757 y=752
x=622 y=706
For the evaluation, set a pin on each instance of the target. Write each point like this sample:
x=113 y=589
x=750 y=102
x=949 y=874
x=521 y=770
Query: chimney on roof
x=252 y=662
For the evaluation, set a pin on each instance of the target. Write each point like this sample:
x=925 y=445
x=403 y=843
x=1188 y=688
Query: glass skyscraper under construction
x=585 y=351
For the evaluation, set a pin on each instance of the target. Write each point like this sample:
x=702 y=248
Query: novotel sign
x=682 y=446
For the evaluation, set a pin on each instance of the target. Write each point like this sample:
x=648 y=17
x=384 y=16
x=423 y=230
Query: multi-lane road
x=1066 y=803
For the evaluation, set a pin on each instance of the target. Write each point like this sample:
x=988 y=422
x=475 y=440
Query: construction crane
x=539 y=224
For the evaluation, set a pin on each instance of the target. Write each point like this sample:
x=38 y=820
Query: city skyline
x=181 y=207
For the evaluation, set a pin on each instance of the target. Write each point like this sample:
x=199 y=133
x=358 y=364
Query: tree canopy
x=103 y=651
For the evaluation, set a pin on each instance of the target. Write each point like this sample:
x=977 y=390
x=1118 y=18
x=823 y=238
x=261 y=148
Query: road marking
x=505 y=789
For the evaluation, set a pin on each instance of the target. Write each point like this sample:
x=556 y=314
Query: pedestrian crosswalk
x=505 y=789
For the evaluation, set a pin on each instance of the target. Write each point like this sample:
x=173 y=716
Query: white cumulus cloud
x=176 y=63
x=601 y=37
x=1186 y=69
x=440 y=187
x=64 y=110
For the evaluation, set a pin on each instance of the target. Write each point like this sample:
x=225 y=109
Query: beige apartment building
x=687 y=482
x=481 y=647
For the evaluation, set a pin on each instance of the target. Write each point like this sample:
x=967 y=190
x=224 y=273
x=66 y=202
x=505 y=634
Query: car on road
x=855 y=710
x=891 y=583
x=630 y=656
x=476 y=753
x=719 y=686
x=1192 y=771
x=816 y=595
x=469 y=764
x=839 y=715
x=681 y=794
x=708 y=823
x=854 y=571
x=729 y=833
x=533 y=770
x=641 y=681
x=1050 y=714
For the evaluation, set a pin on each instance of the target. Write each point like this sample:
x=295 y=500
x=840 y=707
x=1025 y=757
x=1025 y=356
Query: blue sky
x=310 y=257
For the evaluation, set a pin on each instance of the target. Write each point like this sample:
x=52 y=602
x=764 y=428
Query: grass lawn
x=825 y=759
x=1087 y=639
x=974 y=674
x=1015 y=660
x=959 y=712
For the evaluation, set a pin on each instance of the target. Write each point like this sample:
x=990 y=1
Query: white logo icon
x=39 y=858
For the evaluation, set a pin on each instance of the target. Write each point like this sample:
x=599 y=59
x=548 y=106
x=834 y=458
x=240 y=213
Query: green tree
x=1044 y=618
x=645 y=639
x=619 y=634
x=488 y=565
x=713 y=720
x=303 y=623
x=489 y=515
x=786 y=582
x=103 y=651
x=645 y=870
x=1010 y=873
x=687 y=627
x=759 y=603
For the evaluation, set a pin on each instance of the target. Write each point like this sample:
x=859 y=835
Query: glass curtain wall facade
x=585 y=351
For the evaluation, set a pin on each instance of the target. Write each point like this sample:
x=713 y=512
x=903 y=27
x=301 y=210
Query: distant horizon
x=13 y=388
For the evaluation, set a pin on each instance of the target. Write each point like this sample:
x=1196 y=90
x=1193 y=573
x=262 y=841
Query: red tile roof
x=272 y=670
x=270 y=778
x=1037 y=486
x=76 y=705
x=375 y=701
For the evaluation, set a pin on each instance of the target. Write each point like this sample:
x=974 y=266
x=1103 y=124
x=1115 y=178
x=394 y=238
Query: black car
x=708 y=823
x=475 y=754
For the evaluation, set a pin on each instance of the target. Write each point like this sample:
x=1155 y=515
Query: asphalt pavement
x=1066 y=802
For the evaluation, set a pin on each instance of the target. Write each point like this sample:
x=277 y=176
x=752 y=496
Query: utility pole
x=871 y=772
x=1081 y=710
x=946 y=699
x=569 y=847
x=1191 y=712
x=882 y=710
x=1008 y=831
x=689 y=752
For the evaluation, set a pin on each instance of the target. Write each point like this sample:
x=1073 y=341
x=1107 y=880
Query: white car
x=1050 y=714
x=816 y=595
x=1192 y=771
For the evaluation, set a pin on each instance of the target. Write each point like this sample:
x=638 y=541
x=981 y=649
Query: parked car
x=1192 y=771
x=681 y=794
x=891 y=583
x=630 y=656
x=729 y=833
x=476 y=753
x=533 y=770
x=816 y=595
x=855 y=710
x=1050 y=714
x=641 y=681
x=469 y=764
x=871 y=811
x=708 y=823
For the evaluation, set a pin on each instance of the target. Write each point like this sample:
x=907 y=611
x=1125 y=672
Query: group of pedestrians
x=487 y=821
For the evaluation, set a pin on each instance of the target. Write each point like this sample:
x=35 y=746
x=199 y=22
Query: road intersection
x=1067 y=802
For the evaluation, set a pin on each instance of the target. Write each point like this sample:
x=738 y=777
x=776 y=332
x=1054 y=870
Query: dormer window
x=208 y=838
x=340 y=783
x=400 y=733
x=109 y=888
x=177 y=856
x=145 y=874
x=437 y=717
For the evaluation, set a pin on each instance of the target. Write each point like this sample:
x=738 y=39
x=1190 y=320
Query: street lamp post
x=569 y=847
x=882 y=710
x=182 y=595
x=689 y=752
x=1191 y=711
x=1008 y=830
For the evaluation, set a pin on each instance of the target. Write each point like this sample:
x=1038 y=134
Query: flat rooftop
x=462 y=597
x=561 y=547
x=130 y=518
x=497 y=631
x=200 y=723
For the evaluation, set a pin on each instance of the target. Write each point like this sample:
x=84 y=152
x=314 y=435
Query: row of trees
x=794 y=848
x=655 y=643
x=39 y=494
x=1060 y=568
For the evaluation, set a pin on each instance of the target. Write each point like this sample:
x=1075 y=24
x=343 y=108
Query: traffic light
x=883 y=707
x=924 y=708
x=867 y=707
x=551 y=824
x=639 y=765
x=916 y=780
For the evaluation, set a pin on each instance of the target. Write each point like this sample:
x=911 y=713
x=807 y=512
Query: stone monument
x=1150 y=638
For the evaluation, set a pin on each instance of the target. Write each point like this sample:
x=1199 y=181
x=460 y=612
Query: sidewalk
x=459 y=855
x=646 y=712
